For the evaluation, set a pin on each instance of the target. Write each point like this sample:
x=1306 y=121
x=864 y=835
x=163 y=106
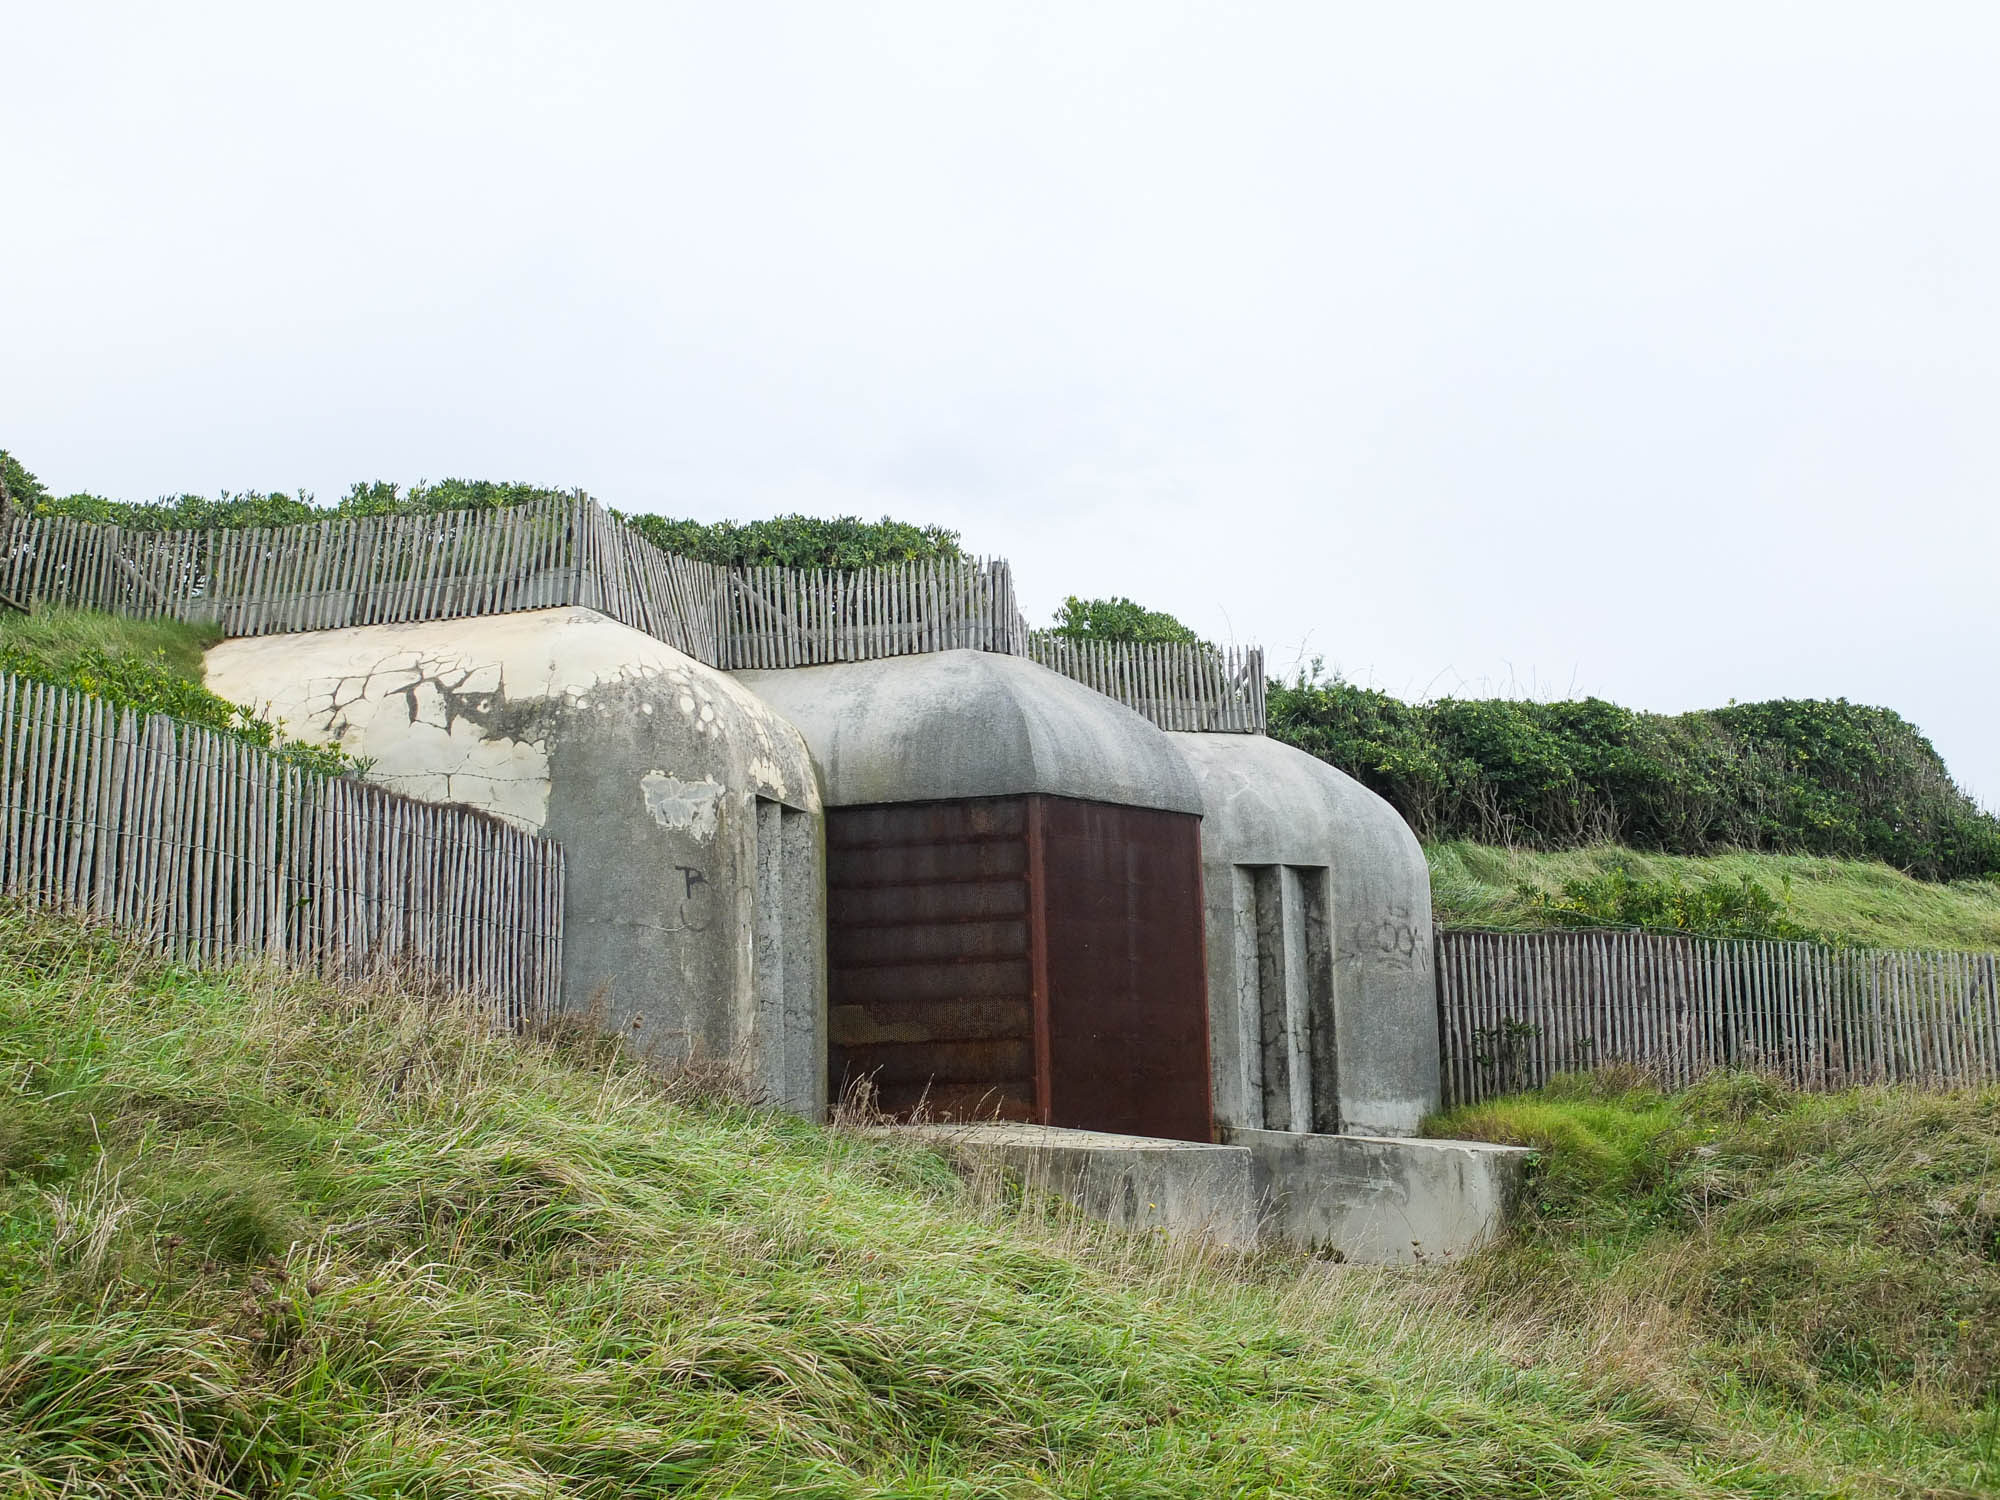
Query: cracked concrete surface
x=694 y=917
x=457 y=710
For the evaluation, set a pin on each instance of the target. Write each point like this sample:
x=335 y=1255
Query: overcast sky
x=1647 y=352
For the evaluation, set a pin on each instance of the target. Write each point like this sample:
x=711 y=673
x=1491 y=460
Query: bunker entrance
x=1021 y=958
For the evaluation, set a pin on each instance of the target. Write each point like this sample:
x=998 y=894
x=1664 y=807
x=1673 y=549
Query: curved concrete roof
x=951 y=724
x=1269 y=803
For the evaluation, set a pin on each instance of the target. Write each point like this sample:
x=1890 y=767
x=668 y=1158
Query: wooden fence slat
x=1682 y=1008
x=213 y=851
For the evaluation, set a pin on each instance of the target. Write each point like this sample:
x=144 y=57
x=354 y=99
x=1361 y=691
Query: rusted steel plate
x=960 y=1020
x=927 y=937
x=1021 y=958
x=919 y=864
x=899 y=904
x=953 y=982
x=958 y=1101
x=1127 y=997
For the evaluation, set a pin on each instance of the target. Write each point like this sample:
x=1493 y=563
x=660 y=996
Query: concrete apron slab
x=1185 y=1188
x=1382 y=1200
x=1365 y=1200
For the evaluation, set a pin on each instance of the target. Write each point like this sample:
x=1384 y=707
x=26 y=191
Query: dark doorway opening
x=1021 y=958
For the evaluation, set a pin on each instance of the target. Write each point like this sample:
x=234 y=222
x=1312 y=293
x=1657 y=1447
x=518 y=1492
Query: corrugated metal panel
x=1021 y=957
x=927 y=932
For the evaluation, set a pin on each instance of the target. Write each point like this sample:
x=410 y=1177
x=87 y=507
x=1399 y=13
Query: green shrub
x=1715 y=908
x=1793 y=776
x=1118 y=619
x=843 y=542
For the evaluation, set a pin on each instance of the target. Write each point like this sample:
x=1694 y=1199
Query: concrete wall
x=690 y=812
x=1380 y=1200
x=1323 y=1006
x=1139 y=1183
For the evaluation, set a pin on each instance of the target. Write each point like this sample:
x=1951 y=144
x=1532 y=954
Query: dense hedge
x=1794 y=775
x=794 y=541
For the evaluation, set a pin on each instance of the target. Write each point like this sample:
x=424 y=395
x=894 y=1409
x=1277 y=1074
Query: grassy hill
x=261 y=1237
x=1862 y=901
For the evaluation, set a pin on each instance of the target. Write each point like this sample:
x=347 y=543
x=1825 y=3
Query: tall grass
x=260 y=1237
x=1833 y=1257
x=1864 y=902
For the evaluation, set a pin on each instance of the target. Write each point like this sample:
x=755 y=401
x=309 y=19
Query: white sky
x=1644 y=352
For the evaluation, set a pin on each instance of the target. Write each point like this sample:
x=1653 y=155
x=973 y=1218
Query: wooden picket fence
x=1174 y=684
x=214 y=851
x=374 y=570
x=379 y=570
x=1514 y=1009
x=802 y=617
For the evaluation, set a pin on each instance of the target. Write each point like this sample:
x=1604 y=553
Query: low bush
x=1118 y=619
x=842 y=542
x=1855 y=902
x=1713 y=908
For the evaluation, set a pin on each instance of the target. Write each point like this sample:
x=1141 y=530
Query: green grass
x=261 y=1237
x=1835 y=1258
x=1869 y=904
x=149 y=667
x=58 y=639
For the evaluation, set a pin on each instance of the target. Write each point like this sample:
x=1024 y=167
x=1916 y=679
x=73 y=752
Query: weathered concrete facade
x=695 y=915
x=1366 y=1200
x=1322 y=1006
x=1378 y=1200
x=950 y=725
x=1014 y=893
x=994 y=892
x=1138 y=1183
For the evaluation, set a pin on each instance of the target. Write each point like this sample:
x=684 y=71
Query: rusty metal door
x=928 y=982
x=1021 y=958
x=1118 y=890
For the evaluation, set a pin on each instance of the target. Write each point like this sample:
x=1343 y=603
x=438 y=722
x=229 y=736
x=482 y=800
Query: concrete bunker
x=694 y=918
x=1323 y=1009
x=1014 y=895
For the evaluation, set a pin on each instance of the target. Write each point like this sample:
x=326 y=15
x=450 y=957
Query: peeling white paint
x=418 y=700
x=690 y=807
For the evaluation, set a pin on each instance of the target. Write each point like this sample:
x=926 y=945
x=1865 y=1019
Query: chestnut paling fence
x=213 y=851
x=1514 y=1009
x=376 y=570
x=1175 y=684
